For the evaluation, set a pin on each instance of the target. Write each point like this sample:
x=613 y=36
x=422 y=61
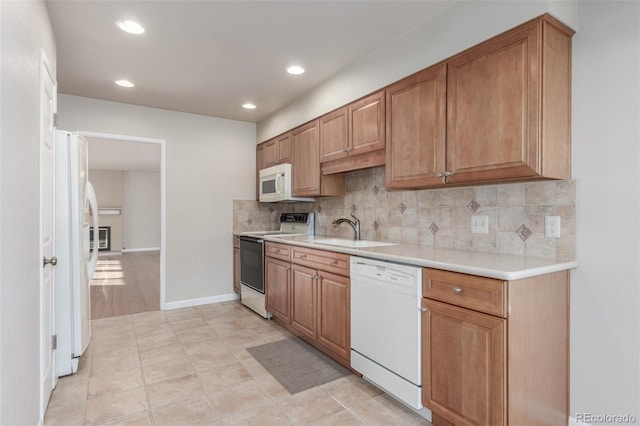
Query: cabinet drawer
x=468 y=291
x=279 y=251
x=236 y=241
x=329 y=261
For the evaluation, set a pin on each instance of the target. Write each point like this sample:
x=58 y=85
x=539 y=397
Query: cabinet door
x=304 y=305
x=261 y=163
x=416 y=129
x=271 y=153
x=493 y=109
x=277 y=288
x=284 y=148
x=305 y=144
x=367 y=124
x=334 y=135
x=464 y=365
x=334 y=313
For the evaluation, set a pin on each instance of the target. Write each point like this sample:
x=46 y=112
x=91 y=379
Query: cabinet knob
x=303 y=256
x=439 y=175
x=447 y=173
x=457 y=290
x=423 y=310
x=333 y=262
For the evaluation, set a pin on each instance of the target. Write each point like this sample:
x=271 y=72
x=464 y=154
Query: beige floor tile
x=190 y=323
x=351 y=390
x=170 y=369
x=309 y=406
x=224 y=376
x=115 y=381
x=67 y=415
x=240 y=401
x=161 y=353
x=195 y=334
x=383 y=410
x=193 y=412
x=190 y=366
x=174 y=390
x=141 y=419
x=69 y=392
x=111 y=348
x=269 y=415
x=111 y=407
x=156 y=339
x=107 y=363
x=341 y=418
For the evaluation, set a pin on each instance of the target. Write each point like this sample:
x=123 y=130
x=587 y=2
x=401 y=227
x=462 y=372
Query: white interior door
x=47 y=232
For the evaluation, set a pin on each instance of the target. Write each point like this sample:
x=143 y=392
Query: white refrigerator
x=76 y=214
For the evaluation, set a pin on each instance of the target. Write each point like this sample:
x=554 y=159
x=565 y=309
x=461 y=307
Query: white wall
x=209 y=162
x=605 y=300
x=605 y=320
x=108 y=187
x=140 y=210
x=24 y=30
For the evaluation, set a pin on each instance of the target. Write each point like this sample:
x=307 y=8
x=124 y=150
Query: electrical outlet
x=480 y=224
x=552 y=226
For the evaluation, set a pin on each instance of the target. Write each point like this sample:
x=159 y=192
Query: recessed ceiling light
x=248 y=106
x=124 y=83
x=131 y=27
x=295 y=70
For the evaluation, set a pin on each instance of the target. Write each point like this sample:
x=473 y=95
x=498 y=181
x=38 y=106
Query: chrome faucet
x=355 y=224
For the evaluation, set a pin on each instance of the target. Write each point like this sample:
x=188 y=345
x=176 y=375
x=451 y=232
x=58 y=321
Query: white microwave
x=275 y=185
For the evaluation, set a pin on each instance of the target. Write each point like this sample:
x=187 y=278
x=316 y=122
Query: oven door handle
x=251 y=239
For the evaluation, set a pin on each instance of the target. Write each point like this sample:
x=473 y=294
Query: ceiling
x=210 y=57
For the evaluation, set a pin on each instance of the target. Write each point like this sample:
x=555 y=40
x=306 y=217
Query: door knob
x=53 y=261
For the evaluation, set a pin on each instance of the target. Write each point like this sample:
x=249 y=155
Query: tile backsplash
x=436 y=217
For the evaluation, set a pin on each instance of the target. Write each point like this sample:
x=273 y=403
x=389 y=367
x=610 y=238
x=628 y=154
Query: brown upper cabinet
x=508 y=112
x=416 y=129
x=353 y=137
x=277 y=150
x=307 y=179
x=261 y=163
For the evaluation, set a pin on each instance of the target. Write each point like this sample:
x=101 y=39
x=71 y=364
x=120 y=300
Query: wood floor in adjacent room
x=124 y=284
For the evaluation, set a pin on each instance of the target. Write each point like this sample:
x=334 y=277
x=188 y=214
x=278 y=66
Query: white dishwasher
x=385 y=327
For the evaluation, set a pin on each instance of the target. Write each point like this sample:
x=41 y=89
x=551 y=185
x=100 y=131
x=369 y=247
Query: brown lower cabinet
x=495 y=352
x=310 y=296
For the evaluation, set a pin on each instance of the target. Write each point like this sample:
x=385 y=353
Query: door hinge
x=55 y=119
x=54 y=342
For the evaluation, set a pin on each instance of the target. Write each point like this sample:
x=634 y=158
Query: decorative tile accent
x=319 y=208
x=523 y=232
x=354 y=209
x=473 y=206
x=375 y=225
x=434 y=228
x=249 y=221
x=401 y=207
x=271 y=209
x=375 y=189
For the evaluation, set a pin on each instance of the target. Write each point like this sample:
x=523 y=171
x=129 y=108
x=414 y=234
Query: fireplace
x=104 y=238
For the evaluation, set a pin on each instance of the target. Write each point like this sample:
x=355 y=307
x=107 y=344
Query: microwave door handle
x=278 y=180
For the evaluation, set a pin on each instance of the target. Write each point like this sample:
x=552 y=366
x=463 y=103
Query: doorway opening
x=130 y=278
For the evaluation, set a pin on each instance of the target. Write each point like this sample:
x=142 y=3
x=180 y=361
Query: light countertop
x=492 y=265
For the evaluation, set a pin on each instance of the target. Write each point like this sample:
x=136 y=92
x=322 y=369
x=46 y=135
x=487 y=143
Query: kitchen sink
x=352 y=243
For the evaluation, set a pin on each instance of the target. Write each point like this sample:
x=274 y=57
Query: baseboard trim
x=141 y=249
x=201 y=301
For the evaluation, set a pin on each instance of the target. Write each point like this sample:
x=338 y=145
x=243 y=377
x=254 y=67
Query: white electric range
x=252 y=288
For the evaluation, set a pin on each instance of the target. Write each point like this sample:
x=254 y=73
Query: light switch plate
x=479 y=224
x=552 y=226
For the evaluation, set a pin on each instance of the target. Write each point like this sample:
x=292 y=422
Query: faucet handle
x=355 y=218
